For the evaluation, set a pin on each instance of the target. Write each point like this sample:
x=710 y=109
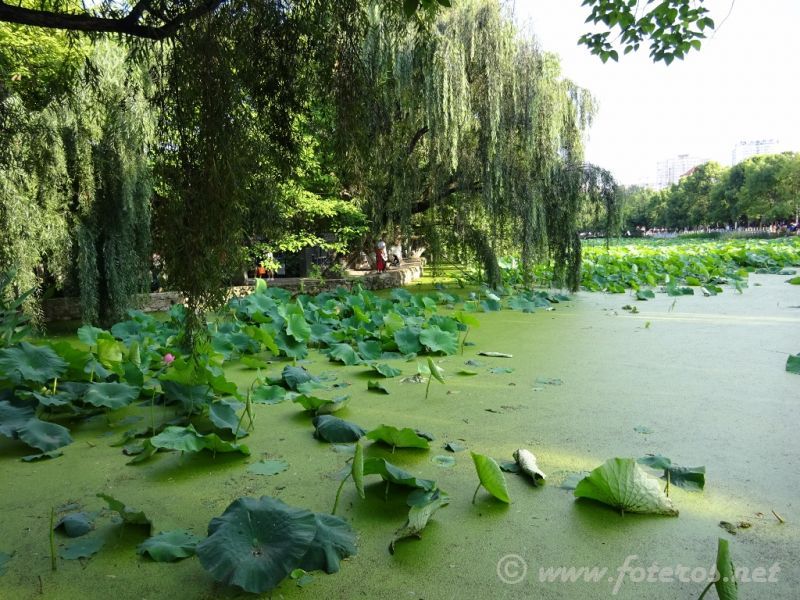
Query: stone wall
x=68 y=309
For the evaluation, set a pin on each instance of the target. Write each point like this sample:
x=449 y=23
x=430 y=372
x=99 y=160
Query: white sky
x=743 y=84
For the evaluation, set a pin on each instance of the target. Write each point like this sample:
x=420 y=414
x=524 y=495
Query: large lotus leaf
x=263 y=336
x=370 y=350
x=522 y=303
x=76 y=359
x=438 y=340
x=192 y=398
x=169 y=546
x=184 y=439
x=130 y=516
x=394 y=474
x=321 y=406
x=111 y=395
x=255 y=544
x=219 y=382
x=298 y=328
x=76 y=524
x=43 y=435
x=88 y=334
x=84 y=548
x=336 y=431
x=344 y=354
x=333 y=541
x=213 y=443
x=386 y=370
x=407 y=340
x=294 y=376
x=419 y=515
x=289 y=346
x=491 y=477
x=393 y=322
x=34 y=364
x=398 y=438
x=223 y=414
x=623 y=484
x=13 y=418
x=268 y=394
x=110 y=352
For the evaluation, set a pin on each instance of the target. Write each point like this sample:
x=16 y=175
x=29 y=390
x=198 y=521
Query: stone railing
x=68 y=309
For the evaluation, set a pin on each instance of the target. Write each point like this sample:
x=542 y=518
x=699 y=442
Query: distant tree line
x=759 y=191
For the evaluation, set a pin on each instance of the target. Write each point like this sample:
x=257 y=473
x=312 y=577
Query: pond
x=700 y=380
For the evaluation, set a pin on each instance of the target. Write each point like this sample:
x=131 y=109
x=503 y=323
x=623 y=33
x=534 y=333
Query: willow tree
x=75 y=188
x=469 y=122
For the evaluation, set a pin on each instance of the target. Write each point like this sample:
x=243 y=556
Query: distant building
x=671 y=170
x=743 y=150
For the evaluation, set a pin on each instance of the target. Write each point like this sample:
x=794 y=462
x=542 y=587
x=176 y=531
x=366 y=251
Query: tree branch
x=127 y=25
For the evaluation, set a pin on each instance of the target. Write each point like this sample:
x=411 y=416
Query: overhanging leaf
x=623 y=484
x=726 y=585
x=793 y=364
x=169 y=546
x=491 y=477
x=436 y=371
x=298 y=328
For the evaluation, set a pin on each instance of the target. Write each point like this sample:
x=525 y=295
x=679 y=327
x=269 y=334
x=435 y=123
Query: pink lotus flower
x=168 y=358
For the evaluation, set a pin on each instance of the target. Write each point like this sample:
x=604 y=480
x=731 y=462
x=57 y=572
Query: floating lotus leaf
x=398 y=438
x=255 y=544
x=623 y=484
x=338 y=431
x=169 y=546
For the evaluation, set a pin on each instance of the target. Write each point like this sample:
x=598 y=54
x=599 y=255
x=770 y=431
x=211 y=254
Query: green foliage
x=169 y=546
x=638 y=265
x=491 y=477
x=623 y=484
x=255 y=544
x=398 y=438
x=672 y=27
x=75 y=187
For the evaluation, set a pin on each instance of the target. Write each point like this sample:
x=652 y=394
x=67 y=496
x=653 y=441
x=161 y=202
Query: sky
x=742 y=85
